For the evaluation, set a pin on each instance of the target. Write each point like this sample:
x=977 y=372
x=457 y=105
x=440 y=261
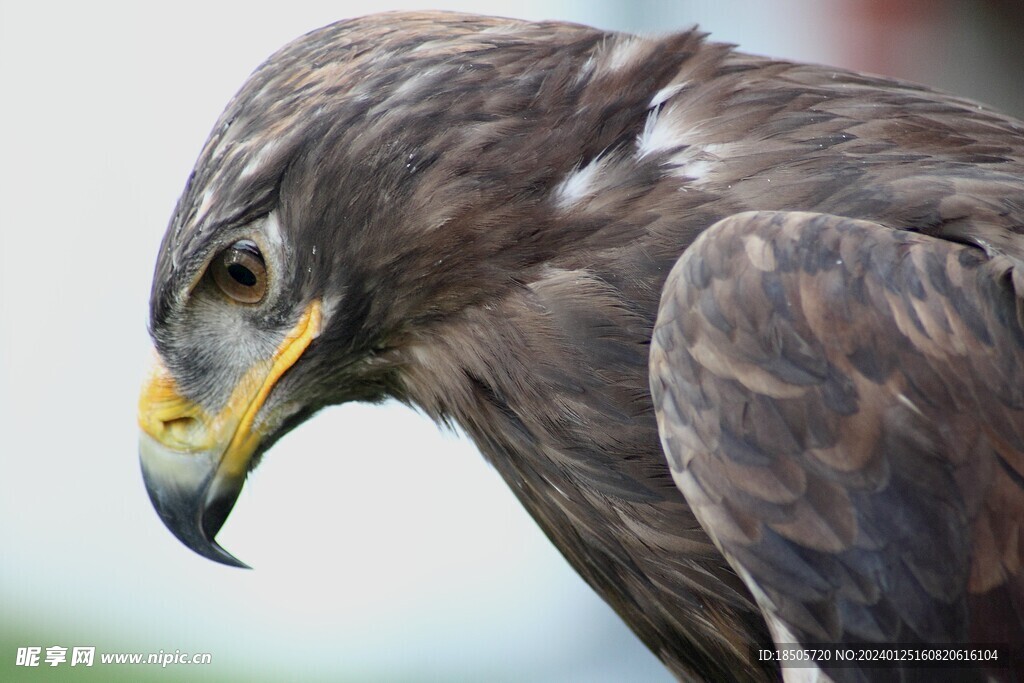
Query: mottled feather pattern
x=871 y=500
x=495 y=206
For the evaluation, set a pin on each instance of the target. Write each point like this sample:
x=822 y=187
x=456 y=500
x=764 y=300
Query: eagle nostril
x=186 y=431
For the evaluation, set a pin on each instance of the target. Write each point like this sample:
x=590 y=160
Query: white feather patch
x=650 y=140
x=579 y=184
x=665 y=94
x=586 y=71
x=259 y=159
x=272 y=230
x=793 y=674
x=205 y=202
x=664 y=132
x=624 y=52
x=781 y=634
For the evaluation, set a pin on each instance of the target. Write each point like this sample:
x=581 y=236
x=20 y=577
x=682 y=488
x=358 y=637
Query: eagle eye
x=240 y=272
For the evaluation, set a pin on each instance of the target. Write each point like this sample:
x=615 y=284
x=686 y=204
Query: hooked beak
x=194 y=463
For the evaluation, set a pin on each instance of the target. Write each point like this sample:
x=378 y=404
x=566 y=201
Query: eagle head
x=368 y=180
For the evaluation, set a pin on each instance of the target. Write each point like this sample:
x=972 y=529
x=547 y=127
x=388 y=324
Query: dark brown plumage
x=478 y=216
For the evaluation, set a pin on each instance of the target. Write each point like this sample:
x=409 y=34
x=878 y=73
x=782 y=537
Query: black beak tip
x=212 y=519
x=195 y=515
x=189 y=530
x=216 y=553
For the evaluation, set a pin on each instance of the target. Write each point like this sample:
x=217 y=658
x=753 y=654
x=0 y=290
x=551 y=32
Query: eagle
x=744 y=336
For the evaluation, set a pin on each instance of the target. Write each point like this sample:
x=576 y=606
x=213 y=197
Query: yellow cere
x=182 y=425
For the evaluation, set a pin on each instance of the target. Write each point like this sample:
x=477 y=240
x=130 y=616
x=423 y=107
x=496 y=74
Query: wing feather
x=841 y=404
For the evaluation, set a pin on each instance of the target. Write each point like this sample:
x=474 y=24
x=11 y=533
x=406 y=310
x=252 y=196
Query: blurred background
x=384 y=549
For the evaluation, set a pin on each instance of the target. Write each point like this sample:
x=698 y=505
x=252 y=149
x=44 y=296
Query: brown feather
x=911 y=517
